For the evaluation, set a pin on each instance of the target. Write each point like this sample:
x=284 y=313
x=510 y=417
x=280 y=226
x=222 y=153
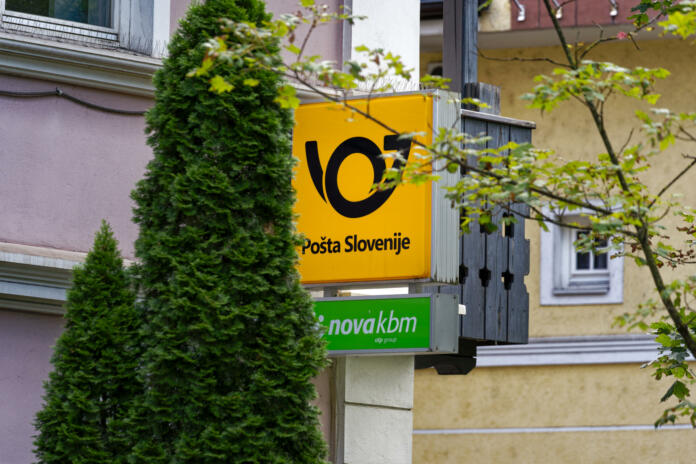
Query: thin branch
x=561 y=37
x=687 y=134
x=343 y=101
x=676 y=261
x=661 y=216
x=628 y=140
x=633 y=40
x=306 y=39
x=630 y=34
x=524 y=60
x=672 y=182
x=551 y=220
x=537 y=190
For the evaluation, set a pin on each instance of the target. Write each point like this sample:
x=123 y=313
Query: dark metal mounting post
x=492 y=263
x=460 y=42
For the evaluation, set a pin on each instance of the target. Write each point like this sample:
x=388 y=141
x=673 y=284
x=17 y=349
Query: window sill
x=582 y=290
x=51 y=28
x=76 y=64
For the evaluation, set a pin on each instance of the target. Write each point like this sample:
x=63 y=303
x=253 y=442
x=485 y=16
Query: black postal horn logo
x=363 y=146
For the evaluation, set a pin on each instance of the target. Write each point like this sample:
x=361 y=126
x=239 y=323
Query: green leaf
x=220 y=85
x=203 y=69
x=668 y=394
x=664 y=340
x=680 y=390
x=286 y=97
x=292 y=48
x=251 y=82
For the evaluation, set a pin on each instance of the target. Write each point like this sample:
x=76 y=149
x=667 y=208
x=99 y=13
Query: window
x=141 y=26
x=86 y=21
x=590 y=260
x=569 y=276
x=94 y=12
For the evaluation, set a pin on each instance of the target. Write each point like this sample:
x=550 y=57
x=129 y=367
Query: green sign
x=391 y=324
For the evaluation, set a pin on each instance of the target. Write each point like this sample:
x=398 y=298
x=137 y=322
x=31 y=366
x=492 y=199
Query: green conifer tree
x=232 y=342
x=95 y=360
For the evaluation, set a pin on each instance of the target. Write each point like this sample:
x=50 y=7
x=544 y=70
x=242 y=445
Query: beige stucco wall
x=538 y=396
x=630 y=447
x=554 y=398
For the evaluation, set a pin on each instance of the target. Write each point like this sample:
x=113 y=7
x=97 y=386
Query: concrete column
x=373 y=415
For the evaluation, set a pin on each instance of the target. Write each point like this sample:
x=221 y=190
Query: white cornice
x=35 y=278
x=34 y=283
x=90 y=67
x=607 y=349
x=431 y=36
x=75 y=64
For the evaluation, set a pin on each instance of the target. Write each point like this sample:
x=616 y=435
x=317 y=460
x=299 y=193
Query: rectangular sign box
x=395 y=324
x=354 y=232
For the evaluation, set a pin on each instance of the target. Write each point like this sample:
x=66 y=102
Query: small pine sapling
x=95 y=363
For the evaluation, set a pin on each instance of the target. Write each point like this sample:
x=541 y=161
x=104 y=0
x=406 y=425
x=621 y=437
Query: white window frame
x=561 y=284
x=137 y=26
x=15 y=21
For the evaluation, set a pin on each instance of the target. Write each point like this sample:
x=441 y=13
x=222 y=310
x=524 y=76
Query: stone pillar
x=373 y=419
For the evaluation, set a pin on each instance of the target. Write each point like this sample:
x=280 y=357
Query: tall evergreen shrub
x=94 y=379
x=232 y=341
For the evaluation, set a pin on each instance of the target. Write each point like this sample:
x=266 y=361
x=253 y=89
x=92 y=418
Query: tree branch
x=642 y=229
x=523 y=60
x=672 y=182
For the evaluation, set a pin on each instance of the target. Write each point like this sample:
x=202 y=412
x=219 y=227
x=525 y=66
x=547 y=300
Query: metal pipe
x=559 y=9
x=522 y=12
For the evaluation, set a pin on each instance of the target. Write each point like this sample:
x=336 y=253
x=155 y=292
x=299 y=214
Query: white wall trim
x=91 y=67
x=7 y=249
x=161 y=17
x=77 y=64
x=431 y=36
x=34 y=283
x=562 y=429
x=607 y=349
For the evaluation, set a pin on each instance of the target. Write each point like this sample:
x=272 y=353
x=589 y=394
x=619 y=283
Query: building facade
x=73 y=85
x=75 y=81
x=576 y=392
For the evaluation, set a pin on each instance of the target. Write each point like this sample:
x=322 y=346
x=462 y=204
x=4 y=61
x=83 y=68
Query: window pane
x=96 y=12
x=600 y=261
x=582 y=260
x=37 y=7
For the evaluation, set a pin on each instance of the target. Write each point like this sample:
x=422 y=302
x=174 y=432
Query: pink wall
x=177 y=11
x=64 y=167
x=326 y=40
x=26 y=342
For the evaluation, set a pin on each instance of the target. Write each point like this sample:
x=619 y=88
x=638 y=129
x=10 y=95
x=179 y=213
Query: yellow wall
x=538 y=396
x=634 y=447
x=564 y=396
x=570 y=132
x=544 y=397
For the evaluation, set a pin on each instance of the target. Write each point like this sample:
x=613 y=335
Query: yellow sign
x=352 y=231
